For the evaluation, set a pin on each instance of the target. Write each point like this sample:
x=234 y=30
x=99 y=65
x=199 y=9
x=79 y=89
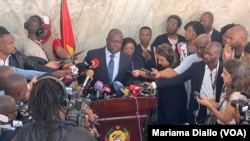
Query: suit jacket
x=150 y=63
x=216 y=36
x=22 y=61
x=101 y=72
x=195 y=73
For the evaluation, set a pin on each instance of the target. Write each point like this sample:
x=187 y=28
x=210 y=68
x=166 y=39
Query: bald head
x=114 y=32
x=15 y=85
x=239 y=31
x=200 y=43
x=203 y=38
x=8 y=106
x=216 y=47
x=4 y=72
x=236 y=37
x=209 y=15
x=114 y=40
x=207 y=20
x=33 y=24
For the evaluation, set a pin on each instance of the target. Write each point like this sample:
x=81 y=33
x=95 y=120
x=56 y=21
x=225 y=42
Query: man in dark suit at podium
x=111 y=68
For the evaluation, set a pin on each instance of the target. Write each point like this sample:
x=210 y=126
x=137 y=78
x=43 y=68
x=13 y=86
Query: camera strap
x=218 y=108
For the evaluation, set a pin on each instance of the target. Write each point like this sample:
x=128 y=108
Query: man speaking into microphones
x=113 y=62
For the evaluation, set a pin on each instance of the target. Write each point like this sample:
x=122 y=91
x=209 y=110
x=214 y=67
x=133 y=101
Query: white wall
x=92 y=19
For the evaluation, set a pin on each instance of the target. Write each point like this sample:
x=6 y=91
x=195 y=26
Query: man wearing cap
x=52 y=45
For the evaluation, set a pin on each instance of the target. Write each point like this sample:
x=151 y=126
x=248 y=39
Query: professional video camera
x=75 y=101
x=23 y=114
x=244 y=109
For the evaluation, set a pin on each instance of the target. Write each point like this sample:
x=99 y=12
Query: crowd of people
x=213 y=63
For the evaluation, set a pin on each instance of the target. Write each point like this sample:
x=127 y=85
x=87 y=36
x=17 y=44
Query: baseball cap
x=247 y=48
x=46 y=21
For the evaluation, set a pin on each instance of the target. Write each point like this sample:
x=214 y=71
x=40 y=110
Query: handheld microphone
x=98 y=88
x=136 y=90
x=119 y=88
x=89 y=75
x=66 y=61
x=78 y=53
x=92 y=64
x=197 y=94
x=106 y=91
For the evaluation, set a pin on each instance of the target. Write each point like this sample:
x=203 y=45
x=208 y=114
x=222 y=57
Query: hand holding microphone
x=89 y=77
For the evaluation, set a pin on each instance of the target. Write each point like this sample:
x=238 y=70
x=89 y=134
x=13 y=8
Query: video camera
x=75 y=101
x=244 y=107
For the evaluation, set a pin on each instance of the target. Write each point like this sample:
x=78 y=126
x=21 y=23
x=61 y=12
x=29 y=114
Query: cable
x=196 y=113
x=137 y=115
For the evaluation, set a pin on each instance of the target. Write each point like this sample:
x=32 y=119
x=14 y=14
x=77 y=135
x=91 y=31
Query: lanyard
x=214 y=82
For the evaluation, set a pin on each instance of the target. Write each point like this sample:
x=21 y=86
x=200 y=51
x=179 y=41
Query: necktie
x=111 y=68
x=146 y=55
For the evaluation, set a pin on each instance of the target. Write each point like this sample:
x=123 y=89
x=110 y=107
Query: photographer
x=48 y=109
x=233 y=76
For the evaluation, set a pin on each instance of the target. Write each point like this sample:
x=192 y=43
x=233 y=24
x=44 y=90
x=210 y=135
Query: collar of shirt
x=148 y=47
x=5 y=62
x=210 y=33
x=108 y=53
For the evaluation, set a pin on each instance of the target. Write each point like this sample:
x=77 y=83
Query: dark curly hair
x=197 y=26
x=177 y=18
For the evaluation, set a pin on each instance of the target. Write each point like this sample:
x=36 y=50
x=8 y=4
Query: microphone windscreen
x=133 y=87
x=95 y=63
x=118 y=85
x=90 y=73
x=106 y=88
x=99 y=86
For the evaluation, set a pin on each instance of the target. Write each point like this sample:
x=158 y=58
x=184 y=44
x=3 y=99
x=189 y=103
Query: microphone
x=119 y=88
x=106 y=91
x=89 y=75
x=92 y=64
x=66 y=61
x=99 y=89
x=197 y=94
x=95 y=63
x=77 y=53
x=136 y=90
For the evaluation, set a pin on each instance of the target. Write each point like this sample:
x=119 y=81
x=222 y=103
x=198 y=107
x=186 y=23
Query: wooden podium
x=122 y=119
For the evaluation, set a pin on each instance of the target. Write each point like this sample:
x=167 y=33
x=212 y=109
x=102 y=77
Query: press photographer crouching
x=48 y=109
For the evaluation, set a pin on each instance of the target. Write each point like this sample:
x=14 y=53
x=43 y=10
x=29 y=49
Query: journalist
x=47 y=105
x=233 y=76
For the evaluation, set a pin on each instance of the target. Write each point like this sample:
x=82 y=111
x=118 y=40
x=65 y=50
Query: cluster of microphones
x=103 y=91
